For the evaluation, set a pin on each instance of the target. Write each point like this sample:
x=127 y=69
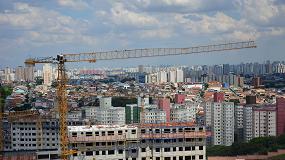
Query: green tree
x=5 y=91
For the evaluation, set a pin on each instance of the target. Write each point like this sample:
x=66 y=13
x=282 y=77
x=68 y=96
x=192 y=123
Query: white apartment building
x=162 y=76
x=140 y=143
x=75 y=115
x=110 y=116
x=179 y=75
x=26 y=135
x=90 y=112
x=238 y=117
x=220 y=117
x=255 y=121
x=48 y=74
x=183 y=112
x=145 y=100
x=264 y=121
x=172 y=76
x=105 y=102
x=154 y=115
x=247 y=123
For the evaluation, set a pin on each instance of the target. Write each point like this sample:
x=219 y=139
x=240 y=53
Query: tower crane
x=92 y=57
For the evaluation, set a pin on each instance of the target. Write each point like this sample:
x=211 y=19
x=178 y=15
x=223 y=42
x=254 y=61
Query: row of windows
x=120 y=132
x=33 y=139
x=33 y=145
x=112 y=152
x=33 y=128
x=34 y=123
x=33 y=134
x=144 y=141
x=103 y=133
x=175 y=149
x=90 y=153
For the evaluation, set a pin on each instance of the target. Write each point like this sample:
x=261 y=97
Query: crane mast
x=60 y=60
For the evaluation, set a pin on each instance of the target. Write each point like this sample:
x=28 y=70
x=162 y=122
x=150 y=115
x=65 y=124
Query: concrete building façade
x=176 y=141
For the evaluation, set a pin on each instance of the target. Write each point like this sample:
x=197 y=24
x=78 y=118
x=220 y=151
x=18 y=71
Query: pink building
x=219 y=97
x=280 y=108
x=179 y=98
x=164 y=104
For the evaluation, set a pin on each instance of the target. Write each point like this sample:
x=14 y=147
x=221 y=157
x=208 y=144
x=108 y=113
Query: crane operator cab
x=60 y=59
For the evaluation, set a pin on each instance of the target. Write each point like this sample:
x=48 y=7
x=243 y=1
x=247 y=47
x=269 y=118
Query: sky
x=39 y=28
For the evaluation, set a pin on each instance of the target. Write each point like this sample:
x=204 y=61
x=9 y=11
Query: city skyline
x=36 y=29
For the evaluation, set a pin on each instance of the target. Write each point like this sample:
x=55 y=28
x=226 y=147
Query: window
x=187 y=129
x=143 y=150
x=157 y=149
x=110 y=133
x=157 y=131
x=187 y=157
x=142 y=130
x=166 y=149
x=89 y=153
x=143 y=158
x=157 y=158
x=88 y=134
x=187 y=148
x=180 y=157
x=103 y=152
x=120 y=151
x=200 y=147
x=167 y=158
x=166 y=130
x=120 y=132
x=74 y=134
x=174 y=149
x=89 y=144
x=96 y=133
x=193 y=158
x=189 y=139
x=174 y=158
x=180 y=130
x=201 y=156
x=180 y=148
x=111 y=152
x=134 y=131
x=134 y=151
x=103 y=133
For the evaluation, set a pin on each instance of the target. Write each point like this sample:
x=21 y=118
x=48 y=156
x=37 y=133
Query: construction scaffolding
x=148 y=138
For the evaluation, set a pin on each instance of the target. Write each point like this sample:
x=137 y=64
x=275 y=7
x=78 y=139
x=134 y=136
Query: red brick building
x=179 y=98
x=219 y=97
x=164 y=104
x=280 y=108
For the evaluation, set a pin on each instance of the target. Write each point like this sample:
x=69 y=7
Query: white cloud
x=181 y=6
x=157 y=33
x=43 y=26
x=122 y=16
x=73 y=4
x=220 y=25
x=258 y=11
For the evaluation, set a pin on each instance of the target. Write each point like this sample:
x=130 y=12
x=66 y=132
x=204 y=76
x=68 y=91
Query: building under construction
x=168 y=141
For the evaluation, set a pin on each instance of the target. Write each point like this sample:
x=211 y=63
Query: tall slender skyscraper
x=47 y=73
